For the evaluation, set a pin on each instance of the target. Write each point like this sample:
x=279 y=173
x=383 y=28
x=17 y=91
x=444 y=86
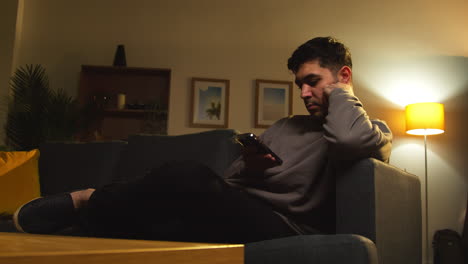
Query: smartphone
x=250 y=139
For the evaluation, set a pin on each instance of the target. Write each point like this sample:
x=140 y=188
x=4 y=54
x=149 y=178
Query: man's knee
x=188 y=175
x=186 y=167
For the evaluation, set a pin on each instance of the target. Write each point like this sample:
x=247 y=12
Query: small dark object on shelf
x=119 y=58
x=135 y=106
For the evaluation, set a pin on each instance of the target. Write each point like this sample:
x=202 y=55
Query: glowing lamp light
x=425 y=119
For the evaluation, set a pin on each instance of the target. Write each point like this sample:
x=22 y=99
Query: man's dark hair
x=329 y=52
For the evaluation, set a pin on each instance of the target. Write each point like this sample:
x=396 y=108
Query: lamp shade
x=425 y=119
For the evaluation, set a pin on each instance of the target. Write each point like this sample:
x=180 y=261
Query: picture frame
x=273 y=101
x=210 y=103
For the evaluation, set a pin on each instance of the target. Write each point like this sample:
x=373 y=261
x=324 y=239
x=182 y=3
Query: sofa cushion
x=19 y=179
x=66 y=167
x=343 y=248
x=214 y=148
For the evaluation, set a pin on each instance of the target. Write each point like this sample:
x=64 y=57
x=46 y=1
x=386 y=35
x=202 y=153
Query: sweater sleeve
x=350 y=132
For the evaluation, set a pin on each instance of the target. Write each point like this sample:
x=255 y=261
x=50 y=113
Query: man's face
x=312 y=79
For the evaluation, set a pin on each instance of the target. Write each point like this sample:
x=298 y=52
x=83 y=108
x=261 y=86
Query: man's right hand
x=255 y=162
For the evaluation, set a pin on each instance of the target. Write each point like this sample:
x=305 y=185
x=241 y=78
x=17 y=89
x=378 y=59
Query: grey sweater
x=299 y=188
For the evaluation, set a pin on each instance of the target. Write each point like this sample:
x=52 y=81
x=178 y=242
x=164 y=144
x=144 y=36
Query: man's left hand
x=329 y=88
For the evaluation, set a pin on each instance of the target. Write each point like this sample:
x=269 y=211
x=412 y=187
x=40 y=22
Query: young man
x=258 y=198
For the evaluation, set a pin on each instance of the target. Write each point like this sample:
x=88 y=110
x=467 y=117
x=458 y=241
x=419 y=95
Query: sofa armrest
x=332 y=249
x=383 y=203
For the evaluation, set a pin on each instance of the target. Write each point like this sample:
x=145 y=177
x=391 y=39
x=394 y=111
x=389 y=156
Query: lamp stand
x=427 y=200
x=425 y=119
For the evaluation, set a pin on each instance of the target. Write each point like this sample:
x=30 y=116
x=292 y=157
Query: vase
x=119 y=58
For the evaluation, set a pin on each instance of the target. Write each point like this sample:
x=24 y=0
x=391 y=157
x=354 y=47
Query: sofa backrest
x=65 y=166
x=215 y=148
x=69 y=166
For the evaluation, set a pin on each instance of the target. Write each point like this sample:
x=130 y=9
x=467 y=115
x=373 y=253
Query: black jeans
x=182 y=201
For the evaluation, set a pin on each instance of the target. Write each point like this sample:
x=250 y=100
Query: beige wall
x=404 y=51
x=8 y=12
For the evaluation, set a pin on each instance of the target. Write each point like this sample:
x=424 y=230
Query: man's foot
x=46 y=215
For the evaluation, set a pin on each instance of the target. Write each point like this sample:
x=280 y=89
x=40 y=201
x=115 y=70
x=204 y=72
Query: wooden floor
x=18 y=248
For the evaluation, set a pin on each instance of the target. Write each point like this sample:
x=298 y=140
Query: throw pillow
x=19 y=179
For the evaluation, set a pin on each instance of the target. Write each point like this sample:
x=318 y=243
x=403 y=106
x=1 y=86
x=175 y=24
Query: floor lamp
x=425 y=119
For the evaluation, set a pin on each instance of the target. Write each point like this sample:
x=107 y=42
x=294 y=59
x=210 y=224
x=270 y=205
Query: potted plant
x=36 y=113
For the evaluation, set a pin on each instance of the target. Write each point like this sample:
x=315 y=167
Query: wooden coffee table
x=16 y=248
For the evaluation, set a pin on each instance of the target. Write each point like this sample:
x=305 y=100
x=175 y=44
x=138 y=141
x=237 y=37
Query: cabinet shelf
x=100 y=85
x=133 y=112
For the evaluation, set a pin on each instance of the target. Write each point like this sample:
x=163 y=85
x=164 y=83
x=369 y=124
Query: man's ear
x=345 y=74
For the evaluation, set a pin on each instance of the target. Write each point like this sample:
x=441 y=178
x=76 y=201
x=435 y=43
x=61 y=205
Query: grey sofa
x=377 y=205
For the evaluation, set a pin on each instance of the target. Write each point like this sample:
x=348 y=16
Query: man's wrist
x=340 y=90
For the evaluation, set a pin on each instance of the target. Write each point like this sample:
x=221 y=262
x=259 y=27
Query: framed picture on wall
x=273 y=101
x=210 y=103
